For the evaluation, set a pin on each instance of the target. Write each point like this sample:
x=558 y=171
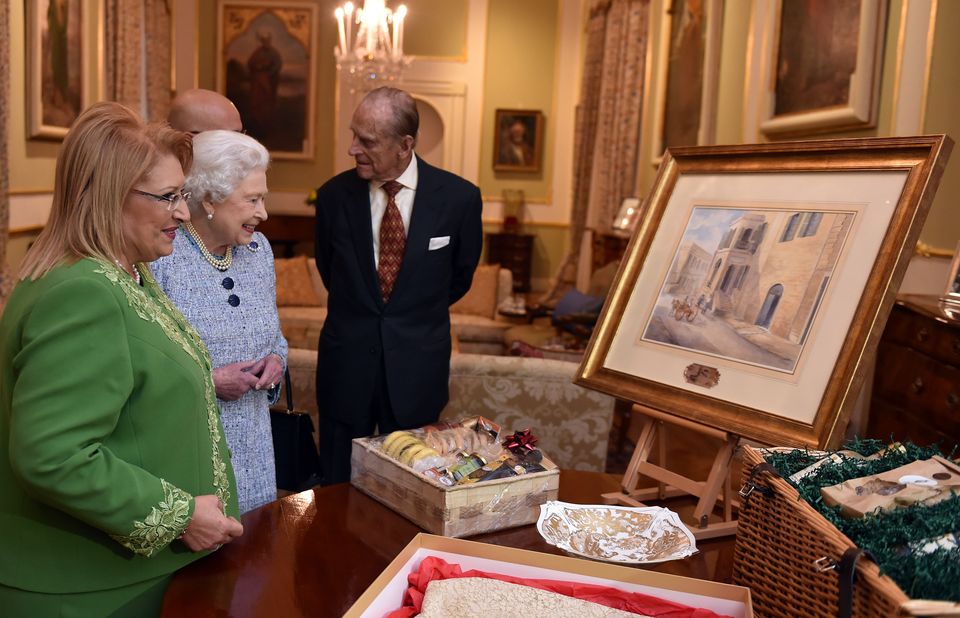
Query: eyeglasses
x=170 y=200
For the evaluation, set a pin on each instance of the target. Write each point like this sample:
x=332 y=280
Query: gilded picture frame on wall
x=686 y=75
x=266 y=65
x=758 y=282
x=59 y=50
x=819 y=63
x=518 y=140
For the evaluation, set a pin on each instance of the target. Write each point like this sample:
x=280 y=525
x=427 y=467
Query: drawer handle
x=923 y=334
x=952 y=400
x=917 y=385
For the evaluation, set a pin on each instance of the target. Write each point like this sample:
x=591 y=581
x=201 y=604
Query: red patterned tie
x=393 y=240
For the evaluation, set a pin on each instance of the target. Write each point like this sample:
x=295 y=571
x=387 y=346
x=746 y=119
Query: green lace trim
x=165 y=523
x=161 y=311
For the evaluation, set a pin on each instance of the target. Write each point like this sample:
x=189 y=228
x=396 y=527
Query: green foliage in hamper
x=892 y=537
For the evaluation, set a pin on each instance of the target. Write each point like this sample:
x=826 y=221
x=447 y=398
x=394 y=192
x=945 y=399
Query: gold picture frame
x=687 y=75
x=835 y=88
x=758 y=282
x=952 y=293
x=59 y=52
x=267 y=65
x=518 y=140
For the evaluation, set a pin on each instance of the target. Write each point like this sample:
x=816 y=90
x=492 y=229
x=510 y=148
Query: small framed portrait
x=518 y=141
x=267 y=67
x=952 y=293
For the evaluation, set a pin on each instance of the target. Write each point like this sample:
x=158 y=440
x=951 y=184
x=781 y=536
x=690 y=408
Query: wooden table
x=314 y=553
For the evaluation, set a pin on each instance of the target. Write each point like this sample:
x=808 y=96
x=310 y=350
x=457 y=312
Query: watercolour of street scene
x=746 y=284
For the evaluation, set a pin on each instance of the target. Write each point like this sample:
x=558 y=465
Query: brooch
x=254 y=246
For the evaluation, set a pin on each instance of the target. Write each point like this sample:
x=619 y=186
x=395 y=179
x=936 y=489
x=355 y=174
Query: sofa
x=572 y=424
x=302 y=305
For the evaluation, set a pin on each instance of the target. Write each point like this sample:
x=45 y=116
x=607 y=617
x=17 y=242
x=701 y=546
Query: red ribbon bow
x=521 y=441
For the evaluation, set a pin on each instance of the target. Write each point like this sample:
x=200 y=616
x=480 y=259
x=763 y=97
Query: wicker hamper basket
x=783 y=552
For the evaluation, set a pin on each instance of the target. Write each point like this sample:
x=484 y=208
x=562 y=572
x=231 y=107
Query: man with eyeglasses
x=198 y=110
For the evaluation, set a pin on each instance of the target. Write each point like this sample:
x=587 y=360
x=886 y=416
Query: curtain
x=138 y=55
x=607 y=132
x=6 y=277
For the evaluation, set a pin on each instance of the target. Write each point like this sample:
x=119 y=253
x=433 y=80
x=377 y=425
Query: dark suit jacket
x=411 y=334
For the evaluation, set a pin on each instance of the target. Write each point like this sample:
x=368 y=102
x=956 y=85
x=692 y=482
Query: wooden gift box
x=784 y=552
x=458 y=511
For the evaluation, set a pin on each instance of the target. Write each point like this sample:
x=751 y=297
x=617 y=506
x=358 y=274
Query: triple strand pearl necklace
x=219 y=263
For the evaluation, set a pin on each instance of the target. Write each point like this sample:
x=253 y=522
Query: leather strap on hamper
x=846 y=575
x=751 y=486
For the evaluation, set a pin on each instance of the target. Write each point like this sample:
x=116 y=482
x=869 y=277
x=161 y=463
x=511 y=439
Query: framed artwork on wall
x=952 y=293
x=687 y=74
x=266 y=65
x=518 y=140
x=759 y=281
x=820 y=63
x=59 y=84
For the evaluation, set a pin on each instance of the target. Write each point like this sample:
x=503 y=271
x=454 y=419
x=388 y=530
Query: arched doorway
x=769 y=306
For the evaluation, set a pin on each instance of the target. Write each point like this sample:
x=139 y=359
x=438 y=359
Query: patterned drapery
x=607 y=133
x=139 y=51
x=5 y=275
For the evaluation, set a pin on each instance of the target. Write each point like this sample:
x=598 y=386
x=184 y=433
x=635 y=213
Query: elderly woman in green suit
x=114 y=471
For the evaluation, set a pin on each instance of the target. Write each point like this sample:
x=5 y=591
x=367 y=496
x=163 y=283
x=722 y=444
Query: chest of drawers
x=916 y=388
x=515 y=253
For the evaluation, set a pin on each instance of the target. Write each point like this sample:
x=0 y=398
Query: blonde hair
x=106 y=152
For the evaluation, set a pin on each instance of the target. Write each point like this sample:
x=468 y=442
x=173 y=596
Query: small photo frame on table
x=952 y=293
x=518 y=140
x=627 y=216
x=266 y=65
x=820 y=63
x=59 y=82
x=757 y=284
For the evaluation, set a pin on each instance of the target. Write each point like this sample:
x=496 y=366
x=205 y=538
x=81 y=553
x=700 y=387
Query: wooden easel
x=672 y=484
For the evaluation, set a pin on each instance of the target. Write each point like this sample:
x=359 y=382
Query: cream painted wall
x=942 y=228
x=521 y=45
x=436 y=28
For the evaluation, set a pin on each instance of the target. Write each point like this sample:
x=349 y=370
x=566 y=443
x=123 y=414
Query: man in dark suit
x=397 y=241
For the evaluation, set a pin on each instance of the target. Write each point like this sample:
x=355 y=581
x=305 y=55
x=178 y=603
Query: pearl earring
x=209 y=216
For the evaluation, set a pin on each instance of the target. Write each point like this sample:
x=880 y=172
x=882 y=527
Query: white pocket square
x=438 y=242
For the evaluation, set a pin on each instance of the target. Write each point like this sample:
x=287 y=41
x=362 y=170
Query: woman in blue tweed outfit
x=221 y=277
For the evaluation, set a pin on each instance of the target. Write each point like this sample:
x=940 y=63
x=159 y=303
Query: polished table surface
x=314 y=553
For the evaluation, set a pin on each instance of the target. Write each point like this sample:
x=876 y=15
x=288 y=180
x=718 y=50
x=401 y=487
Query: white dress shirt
x=404 y=199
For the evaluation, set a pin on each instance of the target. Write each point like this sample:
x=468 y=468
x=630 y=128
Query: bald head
x=200 y=110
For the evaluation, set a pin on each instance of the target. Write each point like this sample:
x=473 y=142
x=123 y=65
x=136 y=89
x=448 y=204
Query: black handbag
x=294 y=451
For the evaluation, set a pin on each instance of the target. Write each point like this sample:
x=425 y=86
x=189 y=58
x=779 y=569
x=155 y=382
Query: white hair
x=221 y=160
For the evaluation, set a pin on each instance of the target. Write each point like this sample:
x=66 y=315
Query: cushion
x=481 y=300
x=294 y=286
x=318 y=286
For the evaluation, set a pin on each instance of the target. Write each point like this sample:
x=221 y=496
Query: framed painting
x=820 y=62
x=687 y=74
x=952 y=293
x=267 y=53
x=518 y=140
x=58 y=50
x=759 y=279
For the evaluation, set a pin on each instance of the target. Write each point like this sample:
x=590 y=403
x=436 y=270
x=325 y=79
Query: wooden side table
x=916 y=387
x=513 y=252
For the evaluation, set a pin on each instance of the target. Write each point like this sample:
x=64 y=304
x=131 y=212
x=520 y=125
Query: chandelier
x=371 y=54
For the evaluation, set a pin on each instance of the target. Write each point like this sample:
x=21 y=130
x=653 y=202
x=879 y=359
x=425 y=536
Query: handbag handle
x=289 y=390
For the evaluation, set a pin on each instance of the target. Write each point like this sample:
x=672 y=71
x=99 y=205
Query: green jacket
x=108 y=427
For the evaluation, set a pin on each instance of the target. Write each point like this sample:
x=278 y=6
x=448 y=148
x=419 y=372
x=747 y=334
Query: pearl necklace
x=135 y=275
x=220 y=264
